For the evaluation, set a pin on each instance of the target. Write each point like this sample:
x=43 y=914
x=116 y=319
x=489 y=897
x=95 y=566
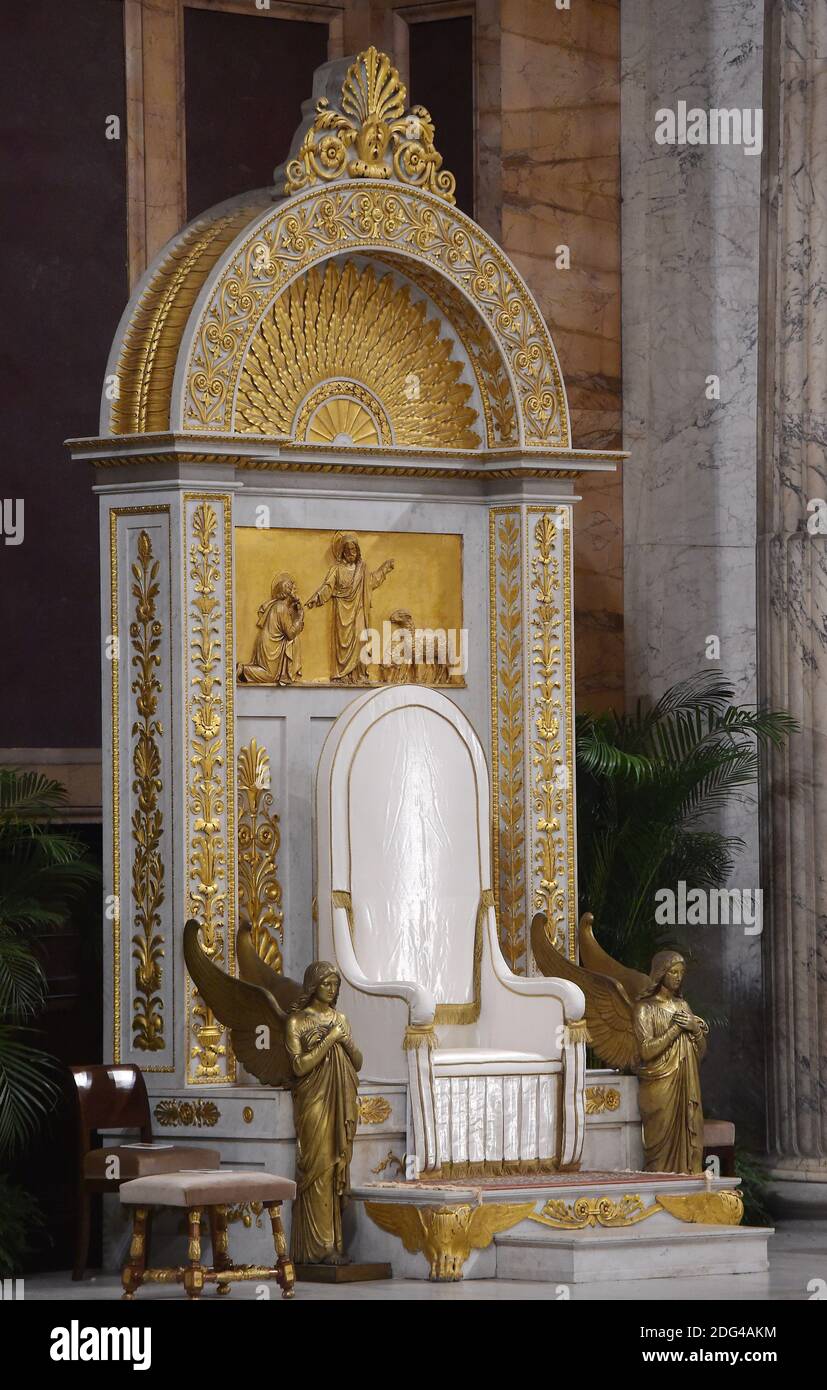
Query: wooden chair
x=114 y=1098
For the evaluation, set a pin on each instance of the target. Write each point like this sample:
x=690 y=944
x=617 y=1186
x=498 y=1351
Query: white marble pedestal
x=573 y=1229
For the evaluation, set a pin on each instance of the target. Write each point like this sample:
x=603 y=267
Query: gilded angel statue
x=642 y=1023
x=309 y=1048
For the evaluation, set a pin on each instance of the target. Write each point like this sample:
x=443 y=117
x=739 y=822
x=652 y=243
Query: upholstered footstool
x=214 y=1193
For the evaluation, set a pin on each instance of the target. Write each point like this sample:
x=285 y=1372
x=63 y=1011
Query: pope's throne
x=493 y=1062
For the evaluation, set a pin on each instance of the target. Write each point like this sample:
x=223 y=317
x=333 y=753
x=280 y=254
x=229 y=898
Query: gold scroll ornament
x=191 y=1113
x=259 y=837
x=145 y=633
x=724 y=1208
x=599 y=1099
x=505 y=571
x=211 y=789
x=371 y=136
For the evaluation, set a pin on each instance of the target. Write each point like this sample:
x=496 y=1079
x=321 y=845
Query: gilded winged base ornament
x=641 y=1023
x=446 y=1235
x=290 y=1034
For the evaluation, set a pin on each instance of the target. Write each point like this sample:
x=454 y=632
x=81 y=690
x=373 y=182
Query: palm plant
x=42 y=870
x=649 y=784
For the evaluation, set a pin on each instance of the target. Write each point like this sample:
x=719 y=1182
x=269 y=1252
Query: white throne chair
x=494 y=1062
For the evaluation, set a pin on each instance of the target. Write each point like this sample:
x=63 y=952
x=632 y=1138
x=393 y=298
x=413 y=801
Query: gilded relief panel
x=337 y=608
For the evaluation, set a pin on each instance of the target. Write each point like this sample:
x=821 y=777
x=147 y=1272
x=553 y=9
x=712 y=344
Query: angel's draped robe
x=670 y=1090
x=325 y=1107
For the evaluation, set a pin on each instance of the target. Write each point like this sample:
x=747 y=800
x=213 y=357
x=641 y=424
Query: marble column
x=793 y=592
x=690 y=238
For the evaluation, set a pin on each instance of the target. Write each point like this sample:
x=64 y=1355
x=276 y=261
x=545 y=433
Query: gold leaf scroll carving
x=259 y=837
x=207 y=778
x=145 y=633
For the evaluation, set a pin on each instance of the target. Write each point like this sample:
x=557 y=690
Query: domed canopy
x=356 y=307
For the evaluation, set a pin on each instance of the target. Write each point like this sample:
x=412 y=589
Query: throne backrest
x=409 y=840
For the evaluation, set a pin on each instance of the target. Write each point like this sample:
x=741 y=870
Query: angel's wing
x=608 y=1007
x=245 y=1009
x=595 y=958
x=253 y=968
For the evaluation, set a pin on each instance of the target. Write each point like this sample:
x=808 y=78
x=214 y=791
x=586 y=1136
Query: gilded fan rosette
x=371 y=135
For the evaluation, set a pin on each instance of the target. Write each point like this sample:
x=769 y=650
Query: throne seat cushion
x=486 y=1061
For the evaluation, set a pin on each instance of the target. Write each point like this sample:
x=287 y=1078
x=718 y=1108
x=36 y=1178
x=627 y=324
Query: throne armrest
x=420 y=1001
x=570 y=995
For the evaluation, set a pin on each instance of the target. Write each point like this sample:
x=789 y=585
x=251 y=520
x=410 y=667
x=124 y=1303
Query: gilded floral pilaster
x=136 y=897
x=259 y=837
x=210 y=764
x=532 y=710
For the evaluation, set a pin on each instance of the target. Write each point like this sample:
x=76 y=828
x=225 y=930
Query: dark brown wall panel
x=63 y=230
x=442 y=80
x=245 y=77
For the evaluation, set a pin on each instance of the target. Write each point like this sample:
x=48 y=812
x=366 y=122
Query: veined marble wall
x=559 y=143
x=690 y=235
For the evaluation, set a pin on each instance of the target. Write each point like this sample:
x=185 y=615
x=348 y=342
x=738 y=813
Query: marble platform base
x=572 y=1228
x=587 y=1259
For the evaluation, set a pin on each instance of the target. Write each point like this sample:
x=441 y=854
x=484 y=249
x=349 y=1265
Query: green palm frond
x=28 y=1088
x=27 y=797
x=22 y=982
x=650 y=784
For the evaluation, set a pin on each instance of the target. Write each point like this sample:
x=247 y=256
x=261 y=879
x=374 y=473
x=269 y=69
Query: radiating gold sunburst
x=338 y=418
x=346 y=325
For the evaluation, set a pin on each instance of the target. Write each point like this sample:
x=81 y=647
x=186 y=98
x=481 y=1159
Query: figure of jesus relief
x=348 y=585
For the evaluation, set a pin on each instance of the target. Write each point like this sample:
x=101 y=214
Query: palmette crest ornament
x=372 y=136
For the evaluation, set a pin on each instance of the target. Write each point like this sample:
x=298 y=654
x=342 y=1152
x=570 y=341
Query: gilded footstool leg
x=220 y=1243
x=194 y=1274
x=285 y=1273
x=133 y=1271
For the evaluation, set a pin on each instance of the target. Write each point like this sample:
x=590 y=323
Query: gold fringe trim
x=469 y=1013
x=490 y=1168
x=578 y=1032
x=419 y=1035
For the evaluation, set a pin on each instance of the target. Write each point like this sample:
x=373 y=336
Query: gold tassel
x=419 y=1035
x=578 y=1032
